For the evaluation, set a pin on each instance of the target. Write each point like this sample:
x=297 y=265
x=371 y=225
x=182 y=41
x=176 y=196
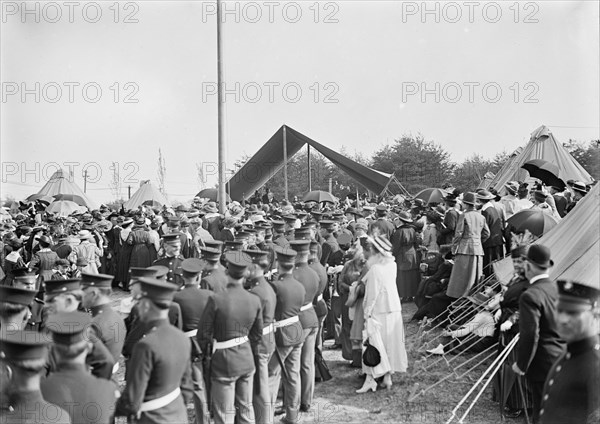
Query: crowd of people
x=229 y=312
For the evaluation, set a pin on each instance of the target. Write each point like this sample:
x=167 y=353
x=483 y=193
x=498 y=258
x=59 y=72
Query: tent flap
x=269 y=160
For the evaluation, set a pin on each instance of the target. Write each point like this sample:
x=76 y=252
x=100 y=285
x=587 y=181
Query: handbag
x=371 y=356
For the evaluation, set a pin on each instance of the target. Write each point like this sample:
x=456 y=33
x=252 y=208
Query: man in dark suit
x=540 y=344
x=158 y=374
x=572 y=389
x=192 y=301
x=72 y=387
x=382 y=226
x=450 y=220
x=560 y=200
x=492 y=247
x=233 y=320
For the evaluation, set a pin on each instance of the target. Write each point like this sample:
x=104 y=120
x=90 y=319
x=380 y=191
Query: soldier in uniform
x=158 y=374
x=279 y=238
x=38 y=313
x=308 y=318
x=572 y=391
x=173 y=258
x=213 y=275
x=382 y=226
x=256 y=284
x=107 y=323
x=319 y=303
x=66 y=296
x=289 y=335
x=330 y=244
x=23 y=356
x=71 y=386
x=232 y=323
x=174 y=228
x=14 y=309
x=192 y=300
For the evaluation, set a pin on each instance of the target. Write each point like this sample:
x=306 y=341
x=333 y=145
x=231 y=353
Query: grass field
x=336 y=402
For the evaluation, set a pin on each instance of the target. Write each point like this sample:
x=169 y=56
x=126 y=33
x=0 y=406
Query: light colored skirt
x=387 y=335
x=466 y=272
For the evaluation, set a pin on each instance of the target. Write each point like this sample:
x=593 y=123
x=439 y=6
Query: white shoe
x=438 y=350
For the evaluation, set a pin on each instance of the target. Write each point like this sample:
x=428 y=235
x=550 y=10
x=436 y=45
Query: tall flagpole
x=221 y=127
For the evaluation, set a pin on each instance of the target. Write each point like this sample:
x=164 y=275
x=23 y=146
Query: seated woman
x=435 y=283
x=476 y=335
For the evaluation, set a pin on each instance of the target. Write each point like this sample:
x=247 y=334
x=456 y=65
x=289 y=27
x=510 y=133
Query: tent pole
x=221 y=128
x=285 y=161
x=309 y=170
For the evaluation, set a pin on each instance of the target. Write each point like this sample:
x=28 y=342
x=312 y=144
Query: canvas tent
x=574 y=242
x=487 y=183
x=62 y=183
x=270 y=159
x=542 y=145
x=147 y=194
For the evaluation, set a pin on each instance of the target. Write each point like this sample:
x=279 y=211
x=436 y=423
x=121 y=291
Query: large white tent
x=148 y=195
x=62 y=183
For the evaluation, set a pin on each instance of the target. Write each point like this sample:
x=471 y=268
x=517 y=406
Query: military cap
x=137 y=272
x=16 y=295
x=23 y=345
x=68 y=328
x=250 y=231
x=56 y=287
x=278 y=225
x=96 y=280
x=576 y=297
x=257 y=256
x=173 y=221
x=160 y=271
x=233 y=245
x=327 y=224
x=242 y=235
x=237 y=263
x=156 y=290
x=192 y=266
x=210 y=254
x=344 y=240
x=317 y=214
x=302 y=233
x=171 y=238
x=290 y=217
x=300 y=246
x=214 y=244
x=285 y=255
x=23 y=274
x=381 y=208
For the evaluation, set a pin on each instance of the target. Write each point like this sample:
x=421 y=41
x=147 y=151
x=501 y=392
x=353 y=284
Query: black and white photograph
x=298 y=212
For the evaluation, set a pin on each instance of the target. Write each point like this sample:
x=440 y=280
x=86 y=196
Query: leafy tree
x=587 y=155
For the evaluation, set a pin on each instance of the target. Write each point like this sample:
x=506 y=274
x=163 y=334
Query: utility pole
x=285 y=161
x=309 y=170
x=222 y=196
x=85 y=181
x=128 y=192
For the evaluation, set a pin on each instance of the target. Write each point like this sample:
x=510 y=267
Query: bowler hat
x=469 y=198
x=485 y=195
x=539 y=256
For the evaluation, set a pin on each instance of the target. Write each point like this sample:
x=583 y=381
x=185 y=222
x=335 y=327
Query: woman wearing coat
x=384 y=327
x=467 y=245
x=140 y=239
x=405 y=242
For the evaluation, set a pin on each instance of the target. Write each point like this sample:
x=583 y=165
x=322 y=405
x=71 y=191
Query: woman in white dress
x=384 y=327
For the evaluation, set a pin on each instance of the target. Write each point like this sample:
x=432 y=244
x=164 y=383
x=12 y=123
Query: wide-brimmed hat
x=210 y=207
x=485 y=195
x=382 y=244
x=580 y=187
x=85 y=235
x=512 y=187
x=539 y=255
x=469 y=198
x=405 y=217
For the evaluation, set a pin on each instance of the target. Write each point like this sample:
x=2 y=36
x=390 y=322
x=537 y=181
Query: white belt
x=230 y=343
x=319 y=297
x=158 y=403
x=115 y=368
x=191 y=333
x=286 y=322
x=268 y=329
x=306 y=307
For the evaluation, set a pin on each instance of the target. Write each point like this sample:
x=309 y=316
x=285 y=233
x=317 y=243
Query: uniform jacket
x=160 y=363
x=268 y=300
x=320 y=305
x=214 y=280
x=230 y=315
x=192 y=301
x=572 y=389
x=110 y=328
x=30 y=407
x=175 y=271
x=310 y=280
x=329 y=247
x=87 y=399
x=99 y=359
x=539 y=344
x=290 y=298
x=385 y=227
x=471 y=232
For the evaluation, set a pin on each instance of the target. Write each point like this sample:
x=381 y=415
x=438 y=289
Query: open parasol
x=536 y=221
x=546 y=172
x=318 y=196
x=431 y=195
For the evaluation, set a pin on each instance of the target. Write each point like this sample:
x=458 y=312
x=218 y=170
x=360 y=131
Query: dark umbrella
x=546 y=172
x=318 y=196
x=535 y=220
x=211 y=194
x=72 y=198
x=43 y=197
x=431 y=195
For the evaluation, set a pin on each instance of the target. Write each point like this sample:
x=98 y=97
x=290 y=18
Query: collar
x=160 y=322
x=585 y=345
x=487 y=206
x=538 y=277
x=98 y=309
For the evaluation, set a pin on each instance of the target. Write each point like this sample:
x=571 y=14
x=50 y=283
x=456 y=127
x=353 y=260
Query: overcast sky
x=474 y=77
